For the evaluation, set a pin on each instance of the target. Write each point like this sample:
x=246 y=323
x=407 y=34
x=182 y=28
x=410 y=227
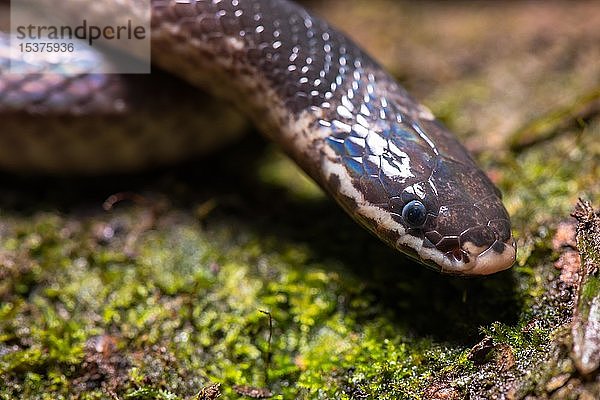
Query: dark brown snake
x=382 y=156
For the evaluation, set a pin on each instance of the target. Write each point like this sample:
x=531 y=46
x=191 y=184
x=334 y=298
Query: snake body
x=335 y=111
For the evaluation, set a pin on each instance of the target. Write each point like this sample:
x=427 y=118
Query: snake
x=333 y=109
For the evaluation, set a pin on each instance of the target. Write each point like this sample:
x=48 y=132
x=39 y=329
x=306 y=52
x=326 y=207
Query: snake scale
x=333 y=109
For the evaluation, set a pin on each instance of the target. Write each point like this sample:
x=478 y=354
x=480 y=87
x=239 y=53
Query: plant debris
x=586 y=318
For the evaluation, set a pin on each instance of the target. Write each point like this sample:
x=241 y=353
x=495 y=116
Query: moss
x=158 y=302
x=184 y=310
x=591 y=289
x=182 y=307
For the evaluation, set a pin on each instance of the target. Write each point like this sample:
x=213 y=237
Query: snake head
x=455 y=221
x=413 y=185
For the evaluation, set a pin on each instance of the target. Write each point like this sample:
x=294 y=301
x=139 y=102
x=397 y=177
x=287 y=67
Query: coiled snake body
x=382 y=156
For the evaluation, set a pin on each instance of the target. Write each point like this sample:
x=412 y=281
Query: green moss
x=591 y=288
x=184 y=309
x=96 y=305
x=180 y=306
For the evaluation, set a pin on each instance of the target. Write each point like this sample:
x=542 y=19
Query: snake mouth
x=482 y=250
x=470 y=259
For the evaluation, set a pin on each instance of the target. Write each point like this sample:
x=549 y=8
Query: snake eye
x=414 y=213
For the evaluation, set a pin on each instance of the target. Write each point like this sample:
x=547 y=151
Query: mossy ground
x=163 y=296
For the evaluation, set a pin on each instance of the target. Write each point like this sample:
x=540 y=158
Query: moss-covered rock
x=238 y=271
